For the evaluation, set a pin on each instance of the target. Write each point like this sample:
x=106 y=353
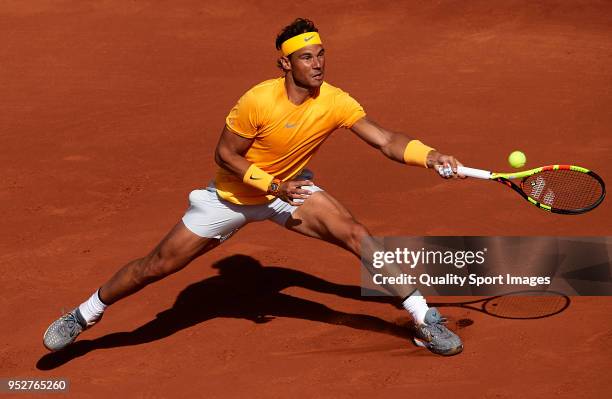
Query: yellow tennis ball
x=517 y=159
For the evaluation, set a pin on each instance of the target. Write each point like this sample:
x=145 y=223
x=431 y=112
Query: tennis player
x=269 y=137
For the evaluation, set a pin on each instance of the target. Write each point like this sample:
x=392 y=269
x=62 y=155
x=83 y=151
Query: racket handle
x=471 y=172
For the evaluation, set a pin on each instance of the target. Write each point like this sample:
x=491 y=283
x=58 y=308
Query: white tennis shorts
x=210 y=216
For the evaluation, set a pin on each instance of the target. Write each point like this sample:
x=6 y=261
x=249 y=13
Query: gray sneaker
x=435 y=336
x=64 y=331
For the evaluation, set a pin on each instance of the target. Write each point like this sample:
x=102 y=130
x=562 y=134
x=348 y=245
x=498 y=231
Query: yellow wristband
x=257 y=178
x=416 y=153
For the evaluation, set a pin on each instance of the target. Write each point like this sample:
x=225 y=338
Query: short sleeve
x=243 y=119
x=348 y=110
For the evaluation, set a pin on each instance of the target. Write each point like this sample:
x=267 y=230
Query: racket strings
x=563 y=189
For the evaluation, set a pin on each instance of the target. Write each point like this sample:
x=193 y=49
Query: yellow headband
x=297 y=42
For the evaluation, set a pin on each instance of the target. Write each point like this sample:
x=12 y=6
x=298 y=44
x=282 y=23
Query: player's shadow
x=243 y=289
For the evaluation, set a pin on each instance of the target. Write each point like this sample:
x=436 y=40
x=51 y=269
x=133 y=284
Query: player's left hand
x=445 y=165
x=293 y=190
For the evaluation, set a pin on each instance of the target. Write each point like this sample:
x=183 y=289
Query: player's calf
x=356 y=234
x=153 y=268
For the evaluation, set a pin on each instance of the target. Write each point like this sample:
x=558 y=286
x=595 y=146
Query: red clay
x=109 y=115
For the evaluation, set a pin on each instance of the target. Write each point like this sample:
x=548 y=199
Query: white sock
x=417 y=307
x=92 y=309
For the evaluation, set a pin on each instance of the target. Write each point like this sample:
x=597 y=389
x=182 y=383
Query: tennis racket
x=565 y=189
x=524 y=305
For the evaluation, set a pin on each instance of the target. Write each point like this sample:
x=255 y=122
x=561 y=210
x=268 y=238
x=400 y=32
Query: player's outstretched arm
x=402 y=148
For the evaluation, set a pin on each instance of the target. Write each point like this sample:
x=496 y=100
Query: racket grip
x=471 y=172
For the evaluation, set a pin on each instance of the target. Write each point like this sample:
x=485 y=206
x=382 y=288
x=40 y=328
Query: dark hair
x=297 y=27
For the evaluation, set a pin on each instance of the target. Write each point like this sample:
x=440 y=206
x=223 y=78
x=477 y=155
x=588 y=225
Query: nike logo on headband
x=306 y=39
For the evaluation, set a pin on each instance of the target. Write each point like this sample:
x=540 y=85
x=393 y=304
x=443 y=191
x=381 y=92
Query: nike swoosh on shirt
x=290 y=125
x=306 y=39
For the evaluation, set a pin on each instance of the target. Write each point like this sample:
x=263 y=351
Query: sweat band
x=416 y=153
x=257 y=178
x=297 y=42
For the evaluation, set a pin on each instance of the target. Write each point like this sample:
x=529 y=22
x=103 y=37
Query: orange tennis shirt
x=285 y=135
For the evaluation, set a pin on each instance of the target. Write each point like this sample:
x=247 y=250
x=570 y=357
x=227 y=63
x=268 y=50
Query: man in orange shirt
x=269 y=137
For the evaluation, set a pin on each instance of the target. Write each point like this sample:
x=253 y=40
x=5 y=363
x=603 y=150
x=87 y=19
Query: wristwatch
x=274 y=187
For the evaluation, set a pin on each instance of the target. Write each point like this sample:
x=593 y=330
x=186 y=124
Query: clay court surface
x=109 y=114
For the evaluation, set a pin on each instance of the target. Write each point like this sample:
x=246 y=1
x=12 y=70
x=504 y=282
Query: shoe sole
x=44 y=335
x=450 y=352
